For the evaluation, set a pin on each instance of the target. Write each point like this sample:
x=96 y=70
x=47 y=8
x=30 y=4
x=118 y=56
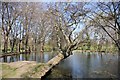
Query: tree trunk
x=12 y=47
x=5 y=44
x=26 y=42
x=42 y=47
x=19 y=45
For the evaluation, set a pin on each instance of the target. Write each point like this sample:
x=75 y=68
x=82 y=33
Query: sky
x=59 y=0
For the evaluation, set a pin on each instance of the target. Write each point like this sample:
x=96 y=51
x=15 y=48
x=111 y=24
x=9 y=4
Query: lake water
x=78 y=65
x=46 y=56
x=87 y=65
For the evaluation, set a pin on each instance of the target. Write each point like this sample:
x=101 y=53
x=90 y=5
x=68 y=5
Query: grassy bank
x=17 y=69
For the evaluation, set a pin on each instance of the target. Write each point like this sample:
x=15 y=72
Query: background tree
x=106 y=16
x=9 y=16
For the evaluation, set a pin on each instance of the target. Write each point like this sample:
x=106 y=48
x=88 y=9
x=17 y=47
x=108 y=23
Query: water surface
x=38 y=57
x=87 y=65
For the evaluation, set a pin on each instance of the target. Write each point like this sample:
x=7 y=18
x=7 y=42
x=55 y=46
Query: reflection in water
x=87 y=65
x=5 y=59
x=42 y=57
x=11 y=59
x=88 y=59
x=21 y=58
x=46 y=57
x=29 y=57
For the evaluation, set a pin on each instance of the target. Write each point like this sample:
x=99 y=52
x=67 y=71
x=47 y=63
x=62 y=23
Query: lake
x=87 y=65
x=46 y=56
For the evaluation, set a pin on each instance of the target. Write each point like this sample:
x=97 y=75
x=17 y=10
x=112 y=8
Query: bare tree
x=107 y=17
x=9 y=16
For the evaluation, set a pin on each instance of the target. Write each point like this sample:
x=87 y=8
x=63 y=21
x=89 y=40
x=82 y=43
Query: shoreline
x=17 y=53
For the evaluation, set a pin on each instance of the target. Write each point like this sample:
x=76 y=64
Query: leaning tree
x=66 y=19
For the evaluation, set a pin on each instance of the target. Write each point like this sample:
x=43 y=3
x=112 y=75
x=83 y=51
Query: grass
x=111 y=48
x=33 y=71
x=7 y=71
x=19 y=69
